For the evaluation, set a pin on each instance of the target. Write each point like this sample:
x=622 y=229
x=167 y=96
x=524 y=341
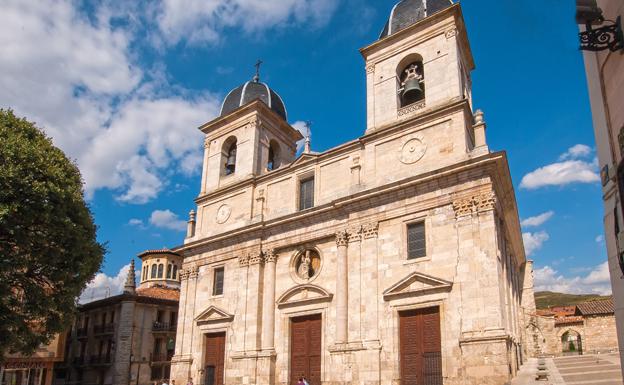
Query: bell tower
x=250 y=137
x=421 y=62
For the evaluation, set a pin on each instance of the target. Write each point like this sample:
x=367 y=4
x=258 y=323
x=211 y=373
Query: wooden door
x=214 y=363
x=420 y=347
x=305 y=349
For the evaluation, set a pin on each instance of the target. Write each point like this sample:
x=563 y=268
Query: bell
x=412 y=91
x=230 y=163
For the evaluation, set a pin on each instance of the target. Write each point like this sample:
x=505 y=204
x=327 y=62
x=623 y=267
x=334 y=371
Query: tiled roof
x=544 y=313
x=568 y=320
x=596 y=307
x=159 y=293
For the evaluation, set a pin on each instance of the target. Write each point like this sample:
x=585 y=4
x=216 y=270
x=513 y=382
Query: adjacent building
x=36 y=369
x=586 y=328
x=127 y=338
x=603 y=44
x=396 y=257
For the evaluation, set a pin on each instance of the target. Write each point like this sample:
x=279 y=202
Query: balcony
x=158 y=327
x=161 y=357
x=100 y=360
x=104 y=329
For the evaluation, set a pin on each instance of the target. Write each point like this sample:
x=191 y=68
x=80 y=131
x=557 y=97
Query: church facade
x=395 y=258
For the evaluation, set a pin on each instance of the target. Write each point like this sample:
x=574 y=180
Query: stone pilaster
x=205 y=168
x=253 y=297
x=268 y=302
x=342 y=288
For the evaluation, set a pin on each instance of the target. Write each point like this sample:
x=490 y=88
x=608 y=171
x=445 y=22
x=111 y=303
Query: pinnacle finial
x=306 y=148
x=256 y=77
x=130 y=285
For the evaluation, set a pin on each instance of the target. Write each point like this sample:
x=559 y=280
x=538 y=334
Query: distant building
x=394 y=258
x=36 y=369
x=589 y=327
x=604 y=65
x=128 y=338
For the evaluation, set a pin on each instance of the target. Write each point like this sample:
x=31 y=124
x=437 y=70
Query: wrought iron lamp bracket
x=607 y=37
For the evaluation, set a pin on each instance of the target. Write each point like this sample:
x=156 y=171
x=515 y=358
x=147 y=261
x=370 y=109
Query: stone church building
x=395 y=258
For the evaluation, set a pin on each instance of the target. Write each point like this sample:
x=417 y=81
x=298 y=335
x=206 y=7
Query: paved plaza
x=603 y=369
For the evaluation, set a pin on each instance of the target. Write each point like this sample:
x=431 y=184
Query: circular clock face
x=413 y=150
x=223 y=214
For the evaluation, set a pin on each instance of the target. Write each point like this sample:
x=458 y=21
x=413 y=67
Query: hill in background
x=546 y=299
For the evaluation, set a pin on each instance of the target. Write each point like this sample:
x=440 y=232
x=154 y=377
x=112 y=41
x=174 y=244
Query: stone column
x=268 y=301
x=342 y=288
x=204 y=180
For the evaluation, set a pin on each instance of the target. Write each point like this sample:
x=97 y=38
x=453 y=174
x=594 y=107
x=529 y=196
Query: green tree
x=48 y=245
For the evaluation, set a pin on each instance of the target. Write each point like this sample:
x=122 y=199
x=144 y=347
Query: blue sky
x=122 y=87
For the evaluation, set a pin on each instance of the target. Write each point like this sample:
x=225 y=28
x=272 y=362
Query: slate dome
x=408 y=12
x=250 y=91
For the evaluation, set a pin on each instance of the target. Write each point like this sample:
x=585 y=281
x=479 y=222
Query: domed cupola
x=250 y=91
x=408 y=12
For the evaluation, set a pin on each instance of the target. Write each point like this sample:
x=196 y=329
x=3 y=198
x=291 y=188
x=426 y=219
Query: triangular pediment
x=304 y=158
x=213 y=315
x=304 y=294
x=416 y=284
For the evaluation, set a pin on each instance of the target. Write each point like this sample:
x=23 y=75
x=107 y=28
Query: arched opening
x=169 y=271
x=154 y=271
x=411 y=75
x=144 y=273
x=273 y=161
x=230 y=148
x=160 y=270
x=571 y=343
x=175 y=272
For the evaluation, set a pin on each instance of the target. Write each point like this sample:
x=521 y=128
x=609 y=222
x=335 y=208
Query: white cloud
x=103 y=286
x=201 y=21
x=600 y=239
x=135 y=222
x=597 y=281
x=576 y=152
x=537 y=220
x=568 y=170
x=561 y=174
x=534 y=241
x=166 y=219
x=75 y=76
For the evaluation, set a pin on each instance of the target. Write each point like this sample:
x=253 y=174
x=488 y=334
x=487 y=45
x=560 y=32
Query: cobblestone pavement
x=603 y=369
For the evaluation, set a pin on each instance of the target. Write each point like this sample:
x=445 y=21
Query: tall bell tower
x=421 y=62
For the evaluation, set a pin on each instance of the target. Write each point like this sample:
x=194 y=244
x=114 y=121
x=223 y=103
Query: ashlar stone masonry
x=395 y=258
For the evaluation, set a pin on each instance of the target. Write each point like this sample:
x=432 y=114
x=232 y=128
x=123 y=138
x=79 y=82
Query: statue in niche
x=308 y=264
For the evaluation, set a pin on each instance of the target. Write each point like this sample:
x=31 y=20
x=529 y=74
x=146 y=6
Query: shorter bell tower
x=251 y=137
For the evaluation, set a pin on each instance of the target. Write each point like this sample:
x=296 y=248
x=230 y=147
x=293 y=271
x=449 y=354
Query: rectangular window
x=217 y=288
x=306 y=194
x=416 y=244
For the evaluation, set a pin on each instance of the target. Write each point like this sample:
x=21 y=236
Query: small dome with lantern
x=408 y=12
x=250 y=91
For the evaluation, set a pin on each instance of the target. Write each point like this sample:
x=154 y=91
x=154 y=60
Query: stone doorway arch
x=571 y=343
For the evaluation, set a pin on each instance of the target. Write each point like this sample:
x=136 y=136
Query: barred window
x=306 y=194
x=217 y=288
x=416 y=244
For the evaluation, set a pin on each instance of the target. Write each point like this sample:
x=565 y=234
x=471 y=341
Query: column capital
x=270 y=256
x=342 y=238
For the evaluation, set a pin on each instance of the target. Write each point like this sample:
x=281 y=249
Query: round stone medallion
x=412 y=151
x=223 y=214
x=306 y=265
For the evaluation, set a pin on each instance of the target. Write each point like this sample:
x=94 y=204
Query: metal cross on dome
x=257 y=65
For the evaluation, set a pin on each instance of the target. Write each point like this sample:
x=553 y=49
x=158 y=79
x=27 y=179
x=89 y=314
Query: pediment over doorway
x=213 y=315
x=416 y=284
x=304 y=294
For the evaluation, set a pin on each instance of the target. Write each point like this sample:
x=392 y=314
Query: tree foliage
x=48 y=245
